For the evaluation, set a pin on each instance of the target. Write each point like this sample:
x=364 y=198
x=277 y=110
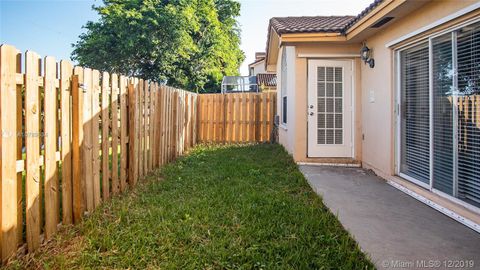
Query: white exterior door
x=330 y=108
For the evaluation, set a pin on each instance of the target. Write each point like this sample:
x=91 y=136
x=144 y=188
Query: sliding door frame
x=399 y=112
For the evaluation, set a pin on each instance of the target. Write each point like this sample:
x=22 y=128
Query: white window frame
x=398 y=107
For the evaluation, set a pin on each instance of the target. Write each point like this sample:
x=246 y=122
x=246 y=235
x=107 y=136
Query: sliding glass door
x=415 y=120
x=467 y=53
x=439 y=118
x=443 y=111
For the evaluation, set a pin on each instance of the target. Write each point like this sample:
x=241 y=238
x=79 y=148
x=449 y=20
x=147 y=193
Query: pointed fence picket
x=74 y=137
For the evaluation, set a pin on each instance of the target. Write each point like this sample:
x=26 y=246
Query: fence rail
x=242 y=117
x=73 y=137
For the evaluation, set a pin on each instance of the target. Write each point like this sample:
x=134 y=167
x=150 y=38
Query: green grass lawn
x=220 y=207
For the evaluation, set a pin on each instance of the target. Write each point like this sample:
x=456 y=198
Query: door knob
x=311 y=114
x=311 y=106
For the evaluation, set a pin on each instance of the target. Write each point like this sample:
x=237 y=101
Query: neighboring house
x=258 y=66
x=395 y=89
x=267 y=82
x=239 y=84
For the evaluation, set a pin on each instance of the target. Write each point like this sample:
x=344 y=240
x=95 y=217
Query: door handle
x=311 y=113
x=311 y=106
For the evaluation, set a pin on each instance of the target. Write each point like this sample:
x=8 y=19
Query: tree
x=189 y=44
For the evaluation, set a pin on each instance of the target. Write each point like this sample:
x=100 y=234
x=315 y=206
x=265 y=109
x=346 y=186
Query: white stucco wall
x=258 y=68
x=378 y=84
x=287 y=132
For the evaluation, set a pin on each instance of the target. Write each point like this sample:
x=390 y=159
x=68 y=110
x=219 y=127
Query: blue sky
x=49 y=27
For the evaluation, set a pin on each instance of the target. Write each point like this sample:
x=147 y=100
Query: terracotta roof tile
x=267 y=79
x=284 y=25
x=315 y=24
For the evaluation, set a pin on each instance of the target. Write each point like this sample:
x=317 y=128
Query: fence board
x=160 y=123
x=19 y=118
x=251 y=118
x=229 y=120
x=114 y=130
x=264 y=116
x=137 y=129
x=167 y=112
x=8 y=140
x=87 y=157
x=141 y=125
x=131 y=134
x=151 y=120
x=32 y=143
x=96 y=110
x=50 y=148
x=165 y=125
x=235 y=119
x=169 y=124
x=153 y=134
x=181 y=124
x=188 y=108
x=161 y=110
x=201 y=119
x=66 y=71
x=175 y=124
x=77 y=146
x=123 y=133
x=146 y=125
x=105 y=129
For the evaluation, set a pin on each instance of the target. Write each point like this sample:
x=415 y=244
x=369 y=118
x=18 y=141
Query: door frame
x=352 y=105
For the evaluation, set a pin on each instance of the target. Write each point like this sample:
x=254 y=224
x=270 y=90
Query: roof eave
x=256 y=62
x=372 y=17
x=271 y=31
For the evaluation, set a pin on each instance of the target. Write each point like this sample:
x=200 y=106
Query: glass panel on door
x=468 y=67
x=330 y=105
x=415 y=119
x=443 y=99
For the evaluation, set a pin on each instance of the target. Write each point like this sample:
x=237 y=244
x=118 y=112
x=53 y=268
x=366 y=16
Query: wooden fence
x=243 y=117
x=72 y=137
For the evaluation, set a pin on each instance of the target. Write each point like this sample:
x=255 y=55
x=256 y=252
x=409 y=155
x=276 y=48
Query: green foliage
x=189 y=44
x=220 y=207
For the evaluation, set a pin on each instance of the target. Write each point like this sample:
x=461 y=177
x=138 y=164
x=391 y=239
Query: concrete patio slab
x=394 y=229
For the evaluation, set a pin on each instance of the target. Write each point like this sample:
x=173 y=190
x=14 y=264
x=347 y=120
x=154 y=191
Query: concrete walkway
x=397 y=231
